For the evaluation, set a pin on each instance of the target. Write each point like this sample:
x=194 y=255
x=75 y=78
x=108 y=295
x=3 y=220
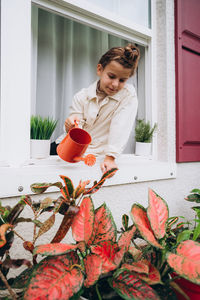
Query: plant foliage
x=42 y=128
x=102 y=262
x=67 y=205
x=194 y=196
x=144 y=131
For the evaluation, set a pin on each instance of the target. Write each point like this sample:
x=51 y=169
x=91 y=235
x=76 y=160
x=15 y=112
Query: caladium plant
x=68 y=205
x=102 y=262
x=96 y=258
x=132 y=270
x=194 y=231
x=161 y=251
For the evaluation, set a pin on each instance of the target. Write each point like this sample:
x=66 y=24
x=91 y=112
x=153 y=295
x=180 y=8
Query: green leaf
x=46 y=225
x=196 y=232
x=184 y=235
x=193 y=198
x=125 y=220
x=68 y=185
x=197 y=210
x=98 y=184
x=197 y=191
x=144 y=131
x=15 y=212
x=65 y=224
x=39 y=188
x=21 y=280
x=42 y=128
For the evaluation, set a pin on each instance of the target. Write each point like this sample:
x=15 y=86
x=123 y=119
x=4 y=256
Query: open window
x=42 y=66
x=64 y=58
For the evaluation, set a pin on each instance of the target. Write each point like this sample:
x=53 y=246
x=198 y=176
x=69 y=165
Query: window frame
x=16 y=167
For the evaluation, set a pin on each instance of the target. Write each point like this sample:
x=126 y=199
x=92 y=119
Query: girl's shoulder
x=87 y=92
x=130 y=89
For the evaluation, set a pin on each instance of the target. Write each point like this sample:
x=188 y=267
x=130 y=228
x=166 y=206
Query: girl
x=107 y=108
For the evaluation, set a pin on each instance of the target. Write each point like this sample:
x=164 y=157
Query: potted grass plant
x=40 y=133
x=143 y=137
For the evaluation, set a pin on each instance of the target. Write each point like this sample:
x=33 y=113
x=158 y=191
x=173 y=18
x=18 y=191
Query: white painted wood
x=15 y=79
x=132 y=169
x=85 y=13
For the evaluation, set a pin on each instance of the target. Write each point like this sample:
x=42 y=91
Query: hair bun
x=128 y=53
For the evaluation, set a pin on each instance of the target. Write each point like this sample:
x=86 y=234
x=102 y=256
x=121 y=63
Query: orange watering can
x=74 y=145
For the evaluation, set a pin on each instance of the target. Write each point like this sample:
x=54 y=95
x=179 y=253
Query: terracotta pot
x=74 y=145
x=191 y=289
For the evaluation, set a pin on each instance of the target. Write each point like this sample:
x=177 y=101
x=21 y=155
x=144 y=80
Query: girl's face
x=112 y=77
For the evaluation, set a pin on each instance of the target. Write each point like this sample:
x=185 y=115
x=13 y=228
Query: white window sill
x=16 y=181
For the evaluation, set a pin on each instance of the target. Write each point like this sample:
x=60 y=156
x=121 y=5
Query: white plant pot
x=143 y=149
x=40 y=148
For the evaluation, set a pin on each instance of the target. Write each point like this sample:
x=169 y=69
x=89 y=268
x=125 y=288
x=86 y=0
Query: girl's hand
x=108 y=163
x=70 y=122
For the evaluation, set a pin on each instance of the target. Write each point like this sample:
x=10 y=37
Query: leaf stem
x=15 y=232
x=13 y=295
x=98 y=293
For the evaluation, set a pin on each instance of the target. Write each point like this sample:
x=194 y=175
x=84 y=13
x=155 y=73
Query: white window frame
x=17 y=171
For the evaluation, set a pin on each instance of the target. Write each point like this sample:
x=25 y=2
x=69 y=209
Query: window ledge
x=17 y=180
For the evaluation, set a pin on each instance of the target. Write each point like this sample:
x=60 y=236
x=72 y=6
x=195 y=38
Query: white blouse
x=108 y=121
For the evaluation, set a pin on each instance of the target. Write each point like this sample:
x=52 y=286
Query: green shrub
x=42 y=128
x=144 y=131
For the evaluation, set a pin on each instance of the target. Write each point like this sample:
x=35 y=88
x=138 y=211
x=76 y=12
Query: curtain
x=64 y=58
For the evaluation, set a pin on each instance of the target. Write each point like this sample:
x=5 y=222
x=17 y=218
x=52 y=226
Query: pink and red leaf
x=129 y=286
x=55 y=278
x=80 y=189
x=54 y=249
x=126 y=237
x=153 y=276
x=82 y=225
x=108 y=252
x=186 y=262
x=158 y=214
x=104 y=226
x=141 y=266
x=93 y=269
x=141 y=221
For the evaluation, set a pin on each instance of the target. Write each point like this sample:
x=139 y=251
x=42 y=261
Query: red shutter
x=187 y=50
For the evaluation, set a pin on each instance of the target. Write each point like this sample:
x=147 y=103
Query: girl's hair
x=127 y=56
